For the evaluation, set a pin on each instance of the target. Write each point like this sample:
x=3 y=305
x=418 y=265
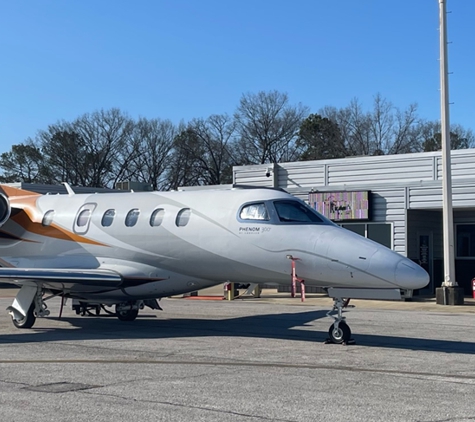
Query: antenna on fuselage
x=69 y=189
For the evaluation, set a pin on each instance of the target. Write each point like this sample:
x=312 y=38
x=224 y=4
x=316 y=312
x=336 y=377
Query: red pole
x=292 y=287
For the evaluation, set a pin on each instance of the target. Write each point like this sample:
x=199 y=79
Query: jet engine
x=5 y=209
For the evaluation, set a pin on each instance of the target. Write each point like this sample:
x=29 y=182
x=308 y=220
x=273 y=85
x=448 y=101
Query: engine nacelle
x=5 y=209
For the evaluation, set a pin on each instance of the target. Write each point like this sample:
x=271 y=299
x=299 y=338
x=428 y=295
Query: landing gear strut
x=339 y=331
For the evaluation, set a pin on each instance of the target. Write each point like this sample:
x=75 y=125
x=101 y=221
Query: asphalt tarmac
x=245 y=360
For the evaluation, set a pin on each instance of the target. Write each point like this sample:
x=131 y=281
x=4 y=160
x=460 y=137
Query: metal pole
x=447 y=211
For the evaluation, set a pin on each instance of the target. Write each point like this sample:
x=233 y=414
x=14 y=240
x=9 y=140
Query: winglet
x=69 y=189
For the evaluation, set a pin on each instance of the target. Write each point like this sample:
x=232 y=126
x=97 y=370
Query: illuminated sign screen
x=341 y=206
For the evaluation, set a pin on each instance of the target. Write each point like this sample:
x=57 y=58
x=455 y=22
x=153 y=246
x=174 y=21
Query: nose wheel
x=339 y=332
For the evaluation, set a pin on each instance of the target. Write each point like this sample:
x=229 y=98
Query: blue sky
x=184 y=59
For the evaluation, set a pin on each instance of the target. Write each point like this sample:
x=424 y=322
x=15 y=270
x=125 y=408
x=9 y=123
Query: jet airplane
x=130 y=249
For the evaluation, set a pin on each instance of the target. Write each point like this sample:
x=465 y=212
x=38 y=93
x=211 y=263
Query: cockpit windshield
x=256 y=211
x=296 y=212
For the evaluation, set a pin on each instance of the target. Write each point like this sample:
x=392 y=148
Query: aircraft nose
x=409 y=275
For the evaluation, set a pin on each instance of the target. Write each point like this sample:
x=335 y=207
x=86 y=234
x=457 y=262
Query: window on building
x=108 y=218
x=157 y=217
x=132 y=217
x=465 y=240
x=379 y=232
x=48 y=218
x=356 y=228
x=254 y=212
x=183 y=217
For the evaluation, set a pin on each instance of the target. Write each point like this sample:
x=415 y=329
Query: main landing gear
x=29 y=304
x=339 y=331
x=124 y=311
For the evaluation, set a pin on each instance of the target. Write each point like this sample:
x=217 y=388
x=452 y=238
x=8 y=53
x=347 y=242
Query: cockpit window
x=254 y=212
x=296 y=212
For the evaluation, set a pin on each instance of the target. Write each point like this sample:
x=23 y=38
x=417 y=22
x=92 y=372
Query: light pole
x=449 y=293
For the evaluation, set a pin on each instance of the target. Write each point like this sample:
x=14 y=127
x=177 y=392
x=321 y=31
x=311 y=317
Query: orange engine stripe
x=53 y=231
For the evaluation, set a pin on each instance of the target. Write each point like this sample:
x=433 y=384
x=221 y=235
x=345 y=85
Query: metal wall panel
x=430 y=197
x=398 y=169
x=462 y=164
x=301 y=174
x=384 y=170
x=252 y=175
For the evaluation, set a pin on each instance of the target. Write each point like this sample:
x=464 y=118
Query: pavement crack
x=454 y=419
x=189 y=406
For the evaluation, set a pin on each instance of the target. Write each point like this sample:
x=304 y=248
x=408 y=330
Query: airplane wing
x=71 y=279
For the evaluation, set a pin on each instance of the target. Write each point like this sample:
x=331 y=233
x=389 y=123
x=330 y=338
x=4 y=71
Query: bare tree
x=203 y=152
x=90 y=151
x=268 y=127
x=354 y=125
x=152 y=140
x=183 y=170
x=460 y=138
x=24 y=163
x=384 y=130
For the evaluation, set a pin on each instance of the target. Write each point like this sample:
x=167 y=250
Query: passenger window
x=132 y=217
x=183 y=217
x=83 y=218
x=295 y=212
x=254 y=212
x=157 y=217
x=108 y=218
x=48 y=218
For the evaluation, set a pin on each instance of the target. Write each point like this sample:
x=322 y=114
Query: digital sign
x=341 y=206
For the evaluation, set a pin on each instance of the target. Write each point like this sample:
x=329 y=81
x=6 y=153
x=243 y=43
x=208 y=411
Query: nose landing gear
x=339 y=332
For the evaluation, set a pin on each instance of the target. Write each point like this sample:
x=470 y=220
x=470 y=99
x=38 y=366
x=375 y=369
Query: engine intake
x=5 y=209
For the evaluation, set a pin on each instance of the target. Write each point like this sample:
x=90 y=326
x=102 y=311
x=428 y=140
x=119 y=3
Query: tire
x=340 y=335
x=128 y=315
x=27 y=321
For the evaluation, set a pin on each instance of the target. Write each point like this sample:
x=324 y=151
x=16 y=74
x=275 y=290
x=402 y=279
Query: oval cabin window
x=157 y=217
x=83 y=218
x=183 y=217
x=108 y=218
x=132 y=217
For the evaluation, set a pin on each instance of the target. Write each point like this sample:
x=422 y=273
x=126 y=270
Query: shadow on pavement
x=276 y=326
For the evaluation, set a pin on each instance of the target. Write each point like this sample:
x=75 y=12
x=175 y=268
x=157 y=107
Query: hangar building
x=395 y=200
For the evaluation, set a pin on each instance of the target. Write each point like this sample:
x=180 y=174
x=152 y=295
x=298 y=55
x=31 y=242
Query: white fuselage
x=215 y=245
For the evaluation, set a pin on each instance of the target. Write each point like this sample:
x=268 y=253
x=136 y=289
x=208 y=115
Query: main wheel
x=28 y=320
x=128 y=315
x=341 y=334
